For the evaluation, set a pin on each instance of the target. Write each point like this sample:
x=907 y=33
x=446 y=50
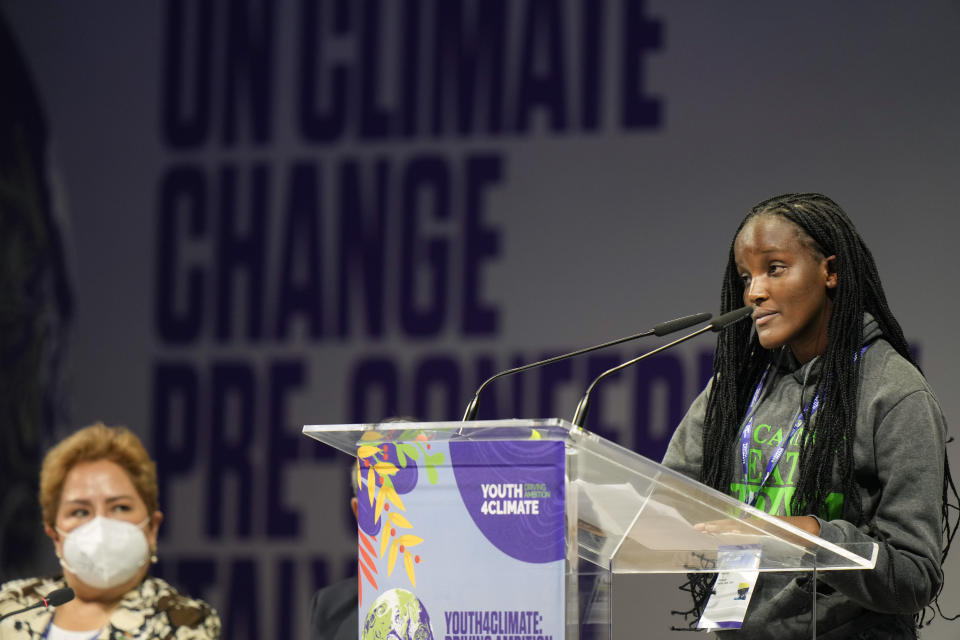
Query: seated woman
x=98 y=494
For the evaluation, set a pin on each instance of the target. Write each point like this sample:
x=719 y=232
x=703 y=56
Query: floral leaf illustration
x=366 y=544
x=431 y=462
x=365 y=560
x=409 y=450
x=367 y=567
x=388 y=474
x=370 y=484
x=381 y=498
x=366 y=451
x=369 y=577
x=383 y=540
x=409 y=540
x=408 y=563
x=399 y=520
x=393 y=497
x=386 y=468
x=393 y=557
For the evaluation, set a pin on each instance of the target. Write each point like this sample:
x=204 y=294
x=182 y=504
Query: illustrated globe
x=397 y=614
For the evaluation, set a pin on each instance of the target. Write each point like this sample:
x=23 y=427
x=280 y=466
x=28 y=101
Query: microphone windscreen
x=670 y=326
x=58 y=597
x=727 y=319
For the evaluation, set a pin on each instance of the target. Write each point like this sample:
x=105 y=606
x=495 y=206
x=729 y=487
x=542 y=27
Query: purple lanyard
x=751 y=496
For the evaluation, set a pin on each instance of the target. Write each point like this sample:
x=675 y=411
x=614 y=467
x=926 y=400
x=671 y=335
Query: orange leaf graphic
x=368 y=576
x=366 y=542
x=365 y=559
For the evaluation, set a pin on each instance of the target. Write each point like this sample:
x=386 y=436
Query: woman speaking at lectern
x=818 y=414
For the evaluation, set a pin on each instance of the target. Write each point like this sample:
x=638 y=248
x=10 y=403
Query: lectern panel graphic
x=511 y=529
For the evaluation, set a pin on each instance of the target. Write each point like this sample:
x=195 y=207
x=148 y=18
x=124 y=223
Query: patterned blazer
x=153 y=609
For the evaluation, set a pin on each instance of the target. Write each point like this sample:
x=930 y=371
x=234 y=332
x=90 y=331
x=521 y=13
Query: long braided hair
x=827 y=231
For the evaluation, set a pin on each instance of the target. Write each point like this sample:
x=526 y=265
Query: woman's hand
x=807 y=523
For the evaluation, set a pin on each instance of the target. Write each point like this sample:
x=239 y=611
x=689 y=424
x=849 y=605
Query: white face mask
x=104 y=552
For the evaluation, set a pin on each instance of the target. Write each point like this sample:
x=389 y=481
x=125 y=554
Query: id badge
x=737 y=571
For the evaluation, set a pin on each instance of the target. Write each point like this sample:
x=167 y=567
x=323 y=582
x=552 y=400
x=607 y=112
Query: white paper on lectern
x=613 y=508
x=608 y=507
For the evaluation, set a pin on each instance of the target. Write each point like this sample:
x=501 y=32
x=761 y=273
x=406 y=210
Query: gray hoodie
x=898 y=453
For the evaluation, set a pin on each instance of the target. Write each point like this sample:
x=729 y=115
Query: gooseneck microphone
x=661 y=329
x=719 y=324
x=55 y=598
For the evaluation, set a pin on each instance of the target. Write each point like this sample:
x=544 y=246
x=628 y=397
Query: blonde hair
x=90 y=444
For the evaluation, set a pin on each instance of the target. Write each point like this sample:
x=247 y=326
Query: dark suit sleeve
x=333 y=612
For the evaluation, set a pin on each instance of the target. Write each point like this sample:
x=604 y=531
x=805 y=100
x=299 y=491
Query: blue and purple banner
x=461 y=539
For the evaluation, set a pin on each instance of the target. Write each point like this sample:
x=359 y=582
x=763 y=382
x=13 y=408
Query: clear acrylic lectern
x=627 y=514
